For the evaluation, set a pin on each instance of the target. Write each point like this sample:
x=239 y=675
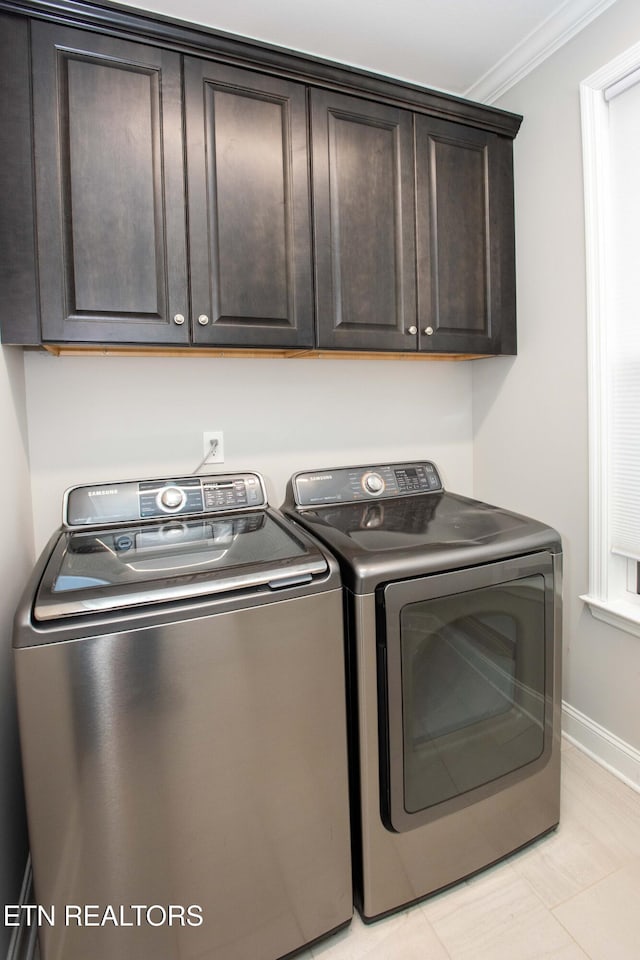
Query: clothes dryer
x=453 y=619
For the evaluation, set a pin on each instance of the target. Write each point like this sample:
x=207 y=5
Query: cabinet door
x=364 y=228
x=109 y=189
x=466 y=264
x=249 y=208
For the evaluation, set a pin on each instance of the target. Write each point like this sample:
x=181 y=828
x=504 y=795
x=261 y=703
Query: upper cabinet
x=363 y=215
x=193 y=190
x=110 y=195
x=465 y=242
x=112 y=203
x=413 y=221
x=249 y=208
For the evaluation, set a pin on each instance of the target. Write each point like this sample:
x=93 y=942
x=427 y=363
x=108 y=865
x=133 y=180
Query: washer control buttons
x=170 y=496
x=373 y=483
x=171 y=499
x=229 y=494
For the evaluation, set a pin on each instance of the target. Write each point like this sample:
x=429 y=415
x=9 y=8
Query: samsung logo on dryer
x=103 y=493
x=317 y=476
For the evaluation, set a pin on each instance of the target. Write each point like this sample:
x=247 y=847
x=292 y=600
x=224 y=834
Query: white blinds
x=624 y=323
x=625 y=460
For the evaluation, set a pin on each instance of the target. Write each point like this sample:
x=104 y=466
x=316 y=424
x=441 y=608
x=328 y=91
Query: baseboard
x=617 y=756
x=24 y=942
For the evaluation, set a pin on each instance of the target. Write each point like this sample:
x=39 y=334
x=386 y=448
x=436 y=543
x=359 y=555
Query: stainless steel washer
x=180 y=679
x=454 y=639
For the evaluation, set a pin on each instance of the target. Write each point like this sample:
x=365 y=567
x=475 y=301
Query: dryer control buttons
x=373 y=483
x=171 y=499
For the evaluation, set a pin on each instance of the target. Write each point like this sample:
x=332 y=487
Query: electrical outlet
x=213 y=447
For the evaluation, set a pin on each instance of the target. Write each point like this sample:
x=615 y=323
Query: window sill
x=619 y=613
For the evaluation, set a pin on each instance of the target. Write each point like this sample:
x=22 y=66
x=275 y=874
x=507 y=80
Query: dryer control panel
x=130 y=500
x=353 y=484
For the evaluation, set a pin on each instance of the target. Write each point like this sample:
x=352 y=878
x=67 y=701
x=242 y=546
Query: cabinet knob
x=203 y=319
x=412 y=331
x=179 y=319
x=428 y=331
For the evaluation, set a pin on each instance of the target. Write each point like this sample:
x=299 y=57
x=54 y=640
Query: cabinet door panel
x=364 y=232
x=249 y=209
x=464 y=197
x=19 y=310
x=109 y=189
x=109 y=233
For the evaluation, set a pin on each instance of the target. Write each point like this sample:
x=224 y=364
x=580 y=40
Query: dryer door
x=465 y=671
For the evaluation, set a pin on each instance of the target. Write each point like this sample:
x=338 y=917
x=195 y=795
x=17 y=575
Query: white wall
x=530 y=414
x=108 y=418
x=16 y=560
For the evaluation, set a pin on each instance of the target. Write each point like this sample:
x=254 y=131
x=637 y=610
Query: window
x=611 y=146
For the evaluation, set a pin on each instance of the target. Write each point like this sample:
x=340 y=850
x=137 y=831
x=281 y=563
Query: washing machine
x=180 y=680
x=453 y=619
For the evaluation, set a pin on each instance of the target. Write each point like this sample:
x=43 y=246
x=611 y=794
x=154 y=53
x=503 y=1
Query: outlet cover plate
x=213 y=456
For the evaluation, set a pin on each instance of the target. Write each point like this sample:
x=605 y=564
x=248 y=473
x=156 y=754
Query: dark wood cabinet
x=195 y=190
x=19 y=299
x=465 y=243
x=249 y=208
x=112 y=201
x=363 y=222
x=110 y=196
x=374 y=251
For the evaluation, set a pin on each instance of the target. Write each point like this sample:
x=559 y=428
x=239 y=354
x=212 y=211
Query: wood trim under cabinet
x=72 y=350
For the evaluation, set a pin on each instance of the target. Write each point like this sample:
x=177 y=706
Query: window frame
x=609 y=598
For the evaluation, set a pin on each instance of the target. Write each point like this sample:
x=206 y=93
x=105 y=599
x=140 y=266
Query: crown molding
x=130 y=23
x=565 y=22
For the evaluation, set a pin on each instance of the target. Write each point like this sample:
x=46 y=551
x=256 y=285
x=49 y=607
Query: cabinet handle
x=412 y=331
x=179 y=319
x=428 y=331
x=203 y=319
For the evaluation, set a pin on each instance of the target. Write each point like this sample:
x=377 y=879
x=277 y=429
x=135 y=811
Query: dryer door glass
x=466 y=688
x=472 y=688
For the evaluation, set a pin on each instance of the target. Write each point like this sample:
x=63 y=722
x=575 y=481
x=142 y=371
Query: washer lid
x=117 y=567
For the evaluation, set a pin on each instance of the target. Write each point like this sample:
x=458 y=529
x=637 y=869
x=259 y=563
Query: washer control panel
x=354 y=484
x=167 y=497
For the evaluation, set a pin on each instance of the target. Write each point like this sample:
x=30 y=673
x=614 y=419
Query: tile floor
x=574 y=895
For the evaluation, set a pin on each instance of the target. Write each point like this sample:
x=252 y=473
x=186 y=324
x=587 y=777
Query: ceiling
x=474 y=48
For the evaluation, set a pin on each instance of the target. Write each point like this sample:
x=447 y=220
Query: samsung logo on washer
x=103 y=493
x=317 y=476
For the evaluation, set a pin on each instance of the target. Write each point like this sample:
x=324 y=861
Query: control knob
x=373 y=483
x=171 y=498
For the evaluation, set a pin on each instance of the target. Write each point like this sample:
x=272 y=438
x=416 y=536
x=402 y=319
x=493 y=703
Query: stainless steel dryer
x=180 y=679
x=453 y=620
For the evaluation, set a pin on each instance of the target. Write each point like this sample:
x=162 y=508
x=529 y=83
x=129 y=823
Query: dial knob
x=373 y=483
x=171 y=498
